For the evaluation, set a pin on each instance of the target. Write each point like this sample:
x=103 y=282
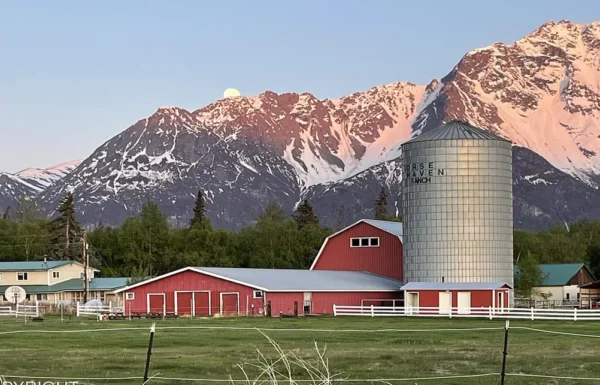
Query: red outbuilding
x=206 y=291
x=367 y=245
x=460 y=297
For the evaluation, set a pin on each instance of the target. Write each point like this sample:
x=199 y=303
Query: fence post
x=147 y=368
x=532 y=314
x=334 y=310
x=575 y=314
x=504 y=353
x=37 y=308
x=17 y=311
x=77 y=308
x=109 y=307
x=372 y=311
x=490 y=311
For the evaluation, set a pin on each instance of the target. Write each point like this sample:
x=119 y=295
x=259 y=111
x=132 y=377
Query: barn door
x=464 y=302
x=307 y=303
x=156 y=303
x=230 y=303
x=445 y=302
x=184 y=303
x=202 y=304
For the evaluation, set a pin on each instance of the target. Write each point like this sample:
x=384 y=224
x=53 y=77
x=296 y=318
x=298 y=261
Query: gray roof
x=31 y=265
x=456 y=130
x=454 y=285
x=305 y=280
x=390 y=227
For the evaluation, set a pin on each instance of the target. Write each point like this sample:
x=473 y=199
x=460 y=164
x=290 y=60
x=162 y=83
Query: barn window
x=22 y=276
x=130 y=296
x=258 y=294
x=364 y=242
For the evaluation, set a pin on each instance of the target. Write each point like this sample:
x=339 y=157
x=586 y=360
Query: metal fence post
x=149 y=353
x=504 y=353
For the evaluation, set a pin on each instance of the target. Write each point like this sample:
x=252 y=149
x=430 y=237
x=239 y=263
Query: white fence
x=96 y=310
x=20 y=311
x=481 y=312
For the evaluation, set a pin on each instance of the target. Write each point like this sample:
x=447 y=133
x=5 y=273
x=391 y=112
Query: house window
x=130 y=296
x=578 y=296
x=568 y=296
x=56 y=274
x=258 y=294
x=22 y=276
x=42 y=297
x=364 y=242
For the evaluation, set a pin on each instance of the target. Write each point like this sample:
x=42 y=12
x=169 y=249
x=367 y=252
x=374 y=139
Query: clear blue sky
x=75 y=73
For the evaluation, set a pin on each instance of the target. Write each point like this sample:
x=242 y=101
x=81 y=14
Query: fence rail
x=20 y=311
x=95 y=310
x=481 y=312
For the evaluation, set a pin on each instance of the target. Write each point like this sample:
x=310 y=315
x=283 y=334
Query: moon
x=231 y=93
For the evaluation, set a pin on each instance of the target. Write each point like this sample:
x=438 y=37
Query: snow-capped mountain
x=542 y=92
x=243 y=152
x=30 y=182
x=42 y=178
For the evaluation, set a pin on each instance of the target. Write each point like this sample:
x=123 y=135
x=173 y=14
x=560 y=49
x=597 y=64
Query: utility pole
x=85 y=267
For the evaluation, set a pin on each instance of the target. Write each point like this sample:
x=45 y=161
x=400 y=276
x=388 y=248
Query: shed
x=462 y=296
x=205 y=291
x=561 y=282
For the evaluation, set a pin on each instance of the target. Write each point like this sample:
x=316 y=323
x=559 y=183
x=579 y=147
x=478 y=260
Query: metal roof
x=75 y=284
x=456 y=129
x=31 y=265
x=557 y=274
x=454 y=285
x=387 y=226
x=304 y=280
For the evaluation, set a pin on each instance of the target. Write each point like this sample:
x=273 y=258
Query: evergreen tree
x=66 y=232
x=381 y=204
x=304 y=215
x=7 y=213
x=199 y=210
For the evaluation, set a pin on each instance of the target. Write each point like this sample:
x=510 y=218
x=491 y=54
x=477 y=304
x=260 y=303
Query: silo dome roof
x=456 y=129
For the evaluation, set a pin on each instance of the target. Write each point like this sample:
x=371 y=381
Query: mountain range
x=542 y=92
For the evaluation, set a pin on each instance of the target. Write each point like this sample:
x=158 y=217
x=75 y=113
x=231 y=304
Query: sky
x=75 y=73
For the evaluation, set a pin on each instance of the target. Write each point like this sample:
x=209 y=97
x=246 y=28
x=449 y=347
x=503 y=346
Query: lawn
x=214 y=353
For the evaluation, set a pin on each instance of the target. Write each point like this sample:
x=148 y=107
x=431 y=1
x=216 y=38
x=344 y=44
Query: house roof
x=31 y=265
x=455 y=129
x=394 y=228
x=557 y=274
x=455 y=286
x=75 y=284
x=288 y=280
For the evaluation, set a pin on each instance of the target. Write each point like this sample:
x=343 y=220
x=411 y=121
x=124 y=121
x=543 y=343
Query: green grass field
x=203 y=353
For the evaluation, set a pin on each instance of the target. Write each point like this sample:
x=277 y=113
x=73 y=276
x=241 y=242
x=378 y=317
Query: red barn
x=368 y=245
x=205 y=291
x=463 y=296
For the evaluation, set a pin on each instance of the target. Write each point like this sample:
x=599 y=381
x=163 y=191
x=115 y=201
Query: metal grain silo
x=457 y=206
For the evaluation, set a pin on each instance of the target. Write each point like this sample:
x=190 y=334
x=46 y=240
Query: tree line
x=146 y=245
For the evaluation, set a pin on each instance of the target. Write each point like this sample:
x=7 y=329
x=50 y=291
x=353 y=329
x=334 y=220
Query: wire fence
x=277 y=377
